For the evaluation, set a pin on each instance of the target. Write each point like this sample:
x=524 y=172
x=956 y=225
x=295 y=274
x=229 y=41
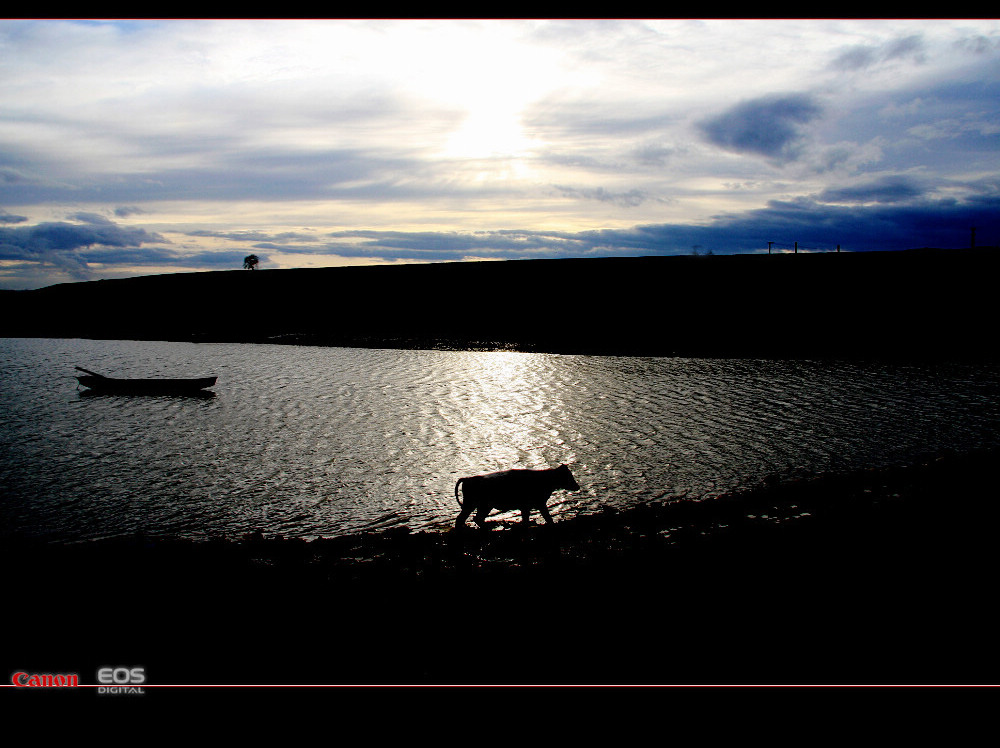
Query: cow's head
x=566 y=480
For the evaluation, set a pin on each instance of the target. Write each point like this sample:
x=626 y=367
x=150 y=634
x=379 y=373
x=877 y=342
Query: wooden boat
x=101 y=383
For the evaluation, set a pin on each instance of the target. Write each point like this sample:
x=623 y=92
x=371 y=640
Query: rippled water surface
x=310 y=442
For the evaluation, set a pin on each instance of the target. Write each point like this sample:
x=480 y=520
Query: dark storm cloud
x=59 y=236
x=75 y=248
x=813 y=224
x=923 y=223
x=61 y=244
x=769 y=126
x=893 y=189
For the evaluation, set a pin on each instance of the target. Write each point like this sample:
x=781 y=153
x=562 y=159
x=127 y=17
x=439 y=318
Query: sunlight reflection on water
x=324 y=441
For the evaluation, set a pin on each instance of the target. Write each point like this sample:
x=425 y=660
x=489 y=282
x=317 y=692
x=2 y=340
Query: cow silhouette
x=511 y=489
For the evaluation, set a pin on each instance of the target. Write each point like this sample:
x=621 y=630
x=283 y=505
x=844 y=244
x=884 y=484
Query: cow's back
x=480 y=487
x=509 y=489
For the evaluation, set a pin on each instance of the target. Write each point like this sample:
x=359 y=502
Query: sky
x=141 y=147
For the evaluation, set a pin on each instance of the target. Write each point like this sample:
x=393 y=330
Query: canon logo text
x=45 y=680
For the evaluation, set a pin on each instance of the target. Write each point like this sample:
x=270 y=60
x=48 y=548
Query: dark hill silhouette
x=916 y=303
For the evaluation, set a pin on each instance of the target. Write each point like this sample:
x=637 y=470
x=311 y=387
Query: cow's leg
x=464 y=514
x=526 y=515
x=481 y=514
x=545 y=513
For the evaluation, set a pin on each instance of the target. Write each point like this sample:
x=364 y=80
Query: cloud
x=953 y=128
x=227 y=171
x=131 y=256
x=888 y=224
x=252 y=236
x=655 y=155
x=6 y=217
x=95 y=219
x=909 y=46
x=230 y=259
x=436 y=246
x=770 y=126
x=884 y=225
x=978 y=44
x=864 y=56
x=889 y=189
x=629 y=199
x=61 y=244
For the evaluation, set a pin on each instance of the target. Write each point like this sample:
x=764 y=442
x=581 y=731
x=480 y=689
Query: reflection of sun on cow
x=511 y=489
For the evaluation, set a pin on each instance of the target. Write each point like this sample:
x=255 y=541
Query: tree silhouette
x=250 y=262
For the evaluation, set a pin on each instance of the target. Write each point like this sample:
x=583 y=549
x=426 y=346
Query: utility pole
x=769 y=247
x=796 y=248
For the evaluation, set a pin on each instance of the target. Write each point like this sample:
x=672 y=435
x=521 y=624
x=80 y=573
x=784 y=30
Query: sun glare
x=490 y=73
x=511 y=418
x=488 y=133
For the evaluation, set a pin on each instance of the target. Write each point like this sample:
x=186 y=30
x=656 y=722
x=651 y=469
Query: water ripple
x=325 y=441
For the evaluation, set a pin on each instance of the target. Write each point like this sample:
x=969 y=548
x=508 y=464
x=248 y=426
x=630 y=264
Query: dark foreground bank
x=913 y=304
x=879 y=577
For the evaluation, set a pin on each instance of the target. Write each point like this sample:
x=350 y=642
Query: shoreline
x=913 y=304
x=874 y=577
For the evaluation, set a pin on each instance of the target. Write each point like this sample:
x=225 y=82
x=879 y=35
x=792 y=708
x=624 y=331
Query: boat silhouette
x=150 y=386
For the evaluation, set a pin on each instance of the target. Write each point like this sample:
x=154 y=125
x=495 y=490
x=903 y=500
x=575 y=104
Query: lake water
x=309 y=441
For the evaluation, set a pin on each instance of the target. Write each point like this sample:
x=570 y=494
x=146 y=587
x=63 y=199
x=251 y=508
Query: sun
x=491 y=131
x=489 y=75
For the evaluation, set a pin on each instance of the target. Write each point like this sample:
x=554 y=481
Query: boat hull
x=146 y=386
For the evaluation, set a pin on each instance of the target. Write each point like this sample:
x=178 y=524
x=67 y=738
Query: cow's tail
x=456 y=491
